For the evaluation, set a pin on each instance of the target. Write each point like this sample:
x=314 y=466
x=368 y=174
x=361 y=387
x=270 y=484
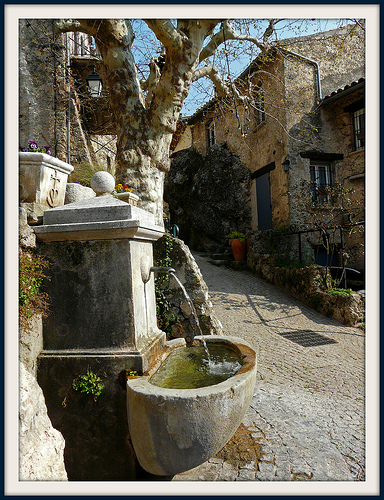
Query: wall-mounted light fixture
x=95 y=84
x=286 y=164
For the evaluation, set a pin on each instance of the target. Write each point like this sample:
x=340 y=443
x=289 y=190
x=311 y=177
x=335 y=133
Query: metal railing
x=81 y=44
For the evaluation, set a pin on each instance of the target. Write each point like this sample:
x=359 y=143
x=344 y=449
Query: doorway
x=263 y=200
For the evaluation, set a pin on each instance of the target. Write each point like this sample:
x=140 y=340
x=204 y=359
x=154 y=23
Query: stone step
x=237 y=264
x=218 y=262
x=222 y=256
x=233 y=264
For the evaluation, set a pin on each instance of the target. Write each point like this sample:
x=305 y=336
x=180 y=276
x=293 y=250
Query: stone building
x=303 y=120
x=55 y=105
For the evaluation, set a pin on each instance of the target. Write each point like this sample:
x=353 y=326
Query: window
x=211 y=138
x=359 y=128
x=259 y=107
x=321 y=179
x=357 y=114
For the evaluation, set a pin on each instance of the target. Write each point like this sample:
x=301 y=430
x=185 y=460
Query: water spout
x=158 y=269
x=189 y=338
x=161 y=269
x=170 y=270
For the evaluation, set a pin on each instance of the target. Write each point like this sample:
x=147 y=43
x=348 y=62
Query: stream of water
x=194 y=313
x=195 y=366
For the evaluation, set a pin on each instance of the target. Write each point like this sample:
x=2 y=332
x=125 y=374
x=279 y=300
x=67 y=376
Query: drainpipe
x=69 y=102
x=55 y=86
x=311 y=61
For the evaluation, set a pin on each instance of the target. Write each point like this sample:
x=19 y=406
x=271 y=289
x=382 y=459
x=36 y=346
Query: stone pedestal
x=103 y=319
x=99 y=250
x=42 y=179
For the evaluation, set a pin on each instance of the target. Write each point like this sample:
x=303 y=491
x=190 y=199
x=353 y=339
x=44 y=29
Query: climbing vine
x=166 y=318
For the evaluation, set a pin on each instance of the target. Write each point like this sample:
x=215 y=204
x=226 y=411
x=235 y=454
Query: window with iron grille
x=259 y=111
x=211 y=137
x=321 y=181
x=359 y=128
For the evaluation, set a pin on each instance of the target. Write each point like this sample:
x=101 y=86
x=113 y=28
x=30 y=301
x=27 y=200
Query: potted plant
x=42 y=177
x=238 y=244
x=124 y=193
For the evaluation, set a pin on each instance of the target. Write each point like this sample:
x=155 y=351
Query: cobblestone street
x=307 y=416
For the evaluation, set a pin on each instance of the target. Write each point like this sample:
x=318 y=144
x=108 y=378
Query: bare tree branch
x=228 y=32
x=166 y=33
x=213 y=74
x=270 y=29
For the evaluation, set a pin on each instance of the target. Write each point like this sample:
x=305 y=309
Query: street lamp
x=95 y=84
x=286 y=164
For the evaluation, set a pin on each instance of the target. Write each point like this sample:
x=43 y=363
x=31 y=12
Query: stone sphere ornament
x=102 y=183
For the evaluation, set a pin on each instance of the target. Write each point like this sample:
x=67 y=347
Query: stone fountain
x=99 y=248
x=103 y=319
x=102 y=298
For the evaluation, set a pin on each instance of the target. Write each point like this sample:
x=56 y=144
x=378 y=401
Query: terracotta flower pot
x=239 y=249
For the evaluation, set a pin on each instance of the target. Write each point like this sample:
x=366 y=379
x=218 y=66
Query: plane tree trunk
x=145 y=124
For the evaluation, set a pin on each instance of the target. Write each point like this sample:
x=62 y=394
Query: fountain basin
x=174 y=430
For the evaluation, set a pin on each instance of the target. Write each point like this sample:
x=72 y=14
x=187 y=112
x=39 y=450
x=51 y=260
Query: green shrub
x=236 y=235
x=340 y=291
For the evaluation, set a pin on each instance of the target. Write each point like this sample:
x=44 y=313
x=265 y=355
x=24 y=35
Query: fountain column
x=99 y=249
x=102 y=319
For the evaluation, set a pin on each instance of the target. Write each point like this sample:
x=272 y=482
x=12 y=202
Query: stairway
x=226 y=259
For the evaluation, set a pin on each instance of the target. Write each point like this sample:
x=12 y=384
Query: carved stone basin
x=174 y=430
x=42 y=179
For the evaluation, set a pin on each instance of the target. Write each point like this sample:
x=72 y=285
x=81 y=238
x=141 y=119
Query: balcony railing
x=81 y=44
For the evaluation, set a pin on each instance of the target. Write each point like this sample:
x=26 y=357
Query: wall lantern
x=95 y=84
x=286 y=164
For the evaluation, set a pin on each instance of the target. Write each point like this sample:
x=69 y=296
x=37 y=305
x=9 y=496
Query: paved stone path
x=307 y=412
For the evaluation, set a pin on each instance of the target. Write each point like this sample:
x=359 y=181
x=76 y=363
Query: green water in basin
x=190 y=367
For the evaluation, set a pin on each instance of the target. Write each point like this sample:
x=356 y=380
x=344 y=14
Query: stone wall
x=337 y=122
x=41 y=447
x=306 y=285
x=340 y=54
x=31 y=344
x=41 y=83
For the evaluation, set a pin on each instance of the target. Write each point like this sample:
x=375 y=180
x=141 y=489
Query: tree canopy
x=227 y=49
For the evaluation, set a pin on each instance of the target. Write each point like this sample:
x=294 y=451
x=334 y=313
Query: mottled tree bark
x=144 y=127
